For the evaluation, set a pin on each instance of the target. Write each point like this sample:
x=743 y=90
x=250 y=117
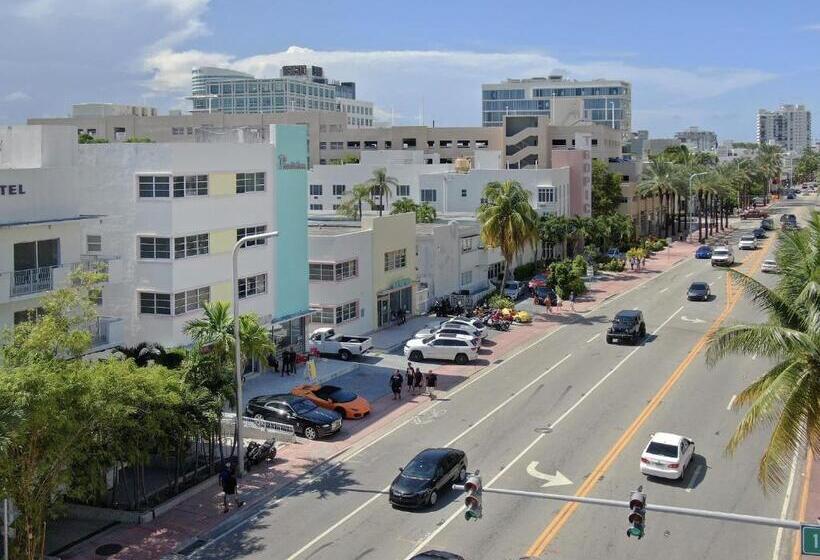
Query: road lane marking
x=662 y=291
x=731 y=402
x=688 y=275
x=594 y=337
x=556 y=479
x=778 y=540
x=557 y=523
x=695 y=474
x=804 y=498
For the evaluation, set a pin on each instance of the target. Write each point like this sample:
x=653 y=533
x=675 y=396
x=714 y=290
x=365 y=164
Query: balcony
x=32 y=281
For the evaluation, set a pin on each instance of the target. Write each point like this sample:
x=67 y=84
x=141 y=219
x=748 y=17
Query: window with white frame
x=316 y=190
x=467 y=244
x=315 y=206
x=394 y=260
x=347 y=269
x=466 y=278
x=546 y=194
x=191 y=300
x=250 y=182
x=495 y=270
x=155 y=247
x=324 y=315
x=251 y=230
x=339 y=190
x=93 y=243
x=152 y=303
x=403 y=190
x=191 y=245
x=347 y=312
x=428 y=195
x=190 y=185
x=320 y=271
x=154 y=186
x=253 y=285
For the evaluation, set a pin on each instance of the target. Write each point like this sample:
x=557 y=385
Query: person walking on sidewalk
x=417 y=381
x=572 y=301
x=273 y=363
x=229 y=483
x=395 y=385
x=431 y=384
x=409 y=377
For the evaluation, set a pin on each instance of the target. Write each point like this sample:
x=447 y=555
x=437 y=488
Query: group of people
x=415 y=381
x=636 y=263
x=288 y=362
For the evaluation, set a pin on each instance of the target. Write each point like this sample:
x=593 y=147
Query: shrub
x=500 y=301
x=565 y=279
x=579 y=265
x=524 y=272
x=614 y=265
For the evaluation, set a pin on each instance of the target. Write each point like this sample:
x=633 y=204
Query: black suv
x=307 y=419
x=628 y=326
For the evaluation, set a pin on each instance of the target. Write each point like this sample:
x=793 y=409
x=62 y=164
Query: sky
x=697 y=63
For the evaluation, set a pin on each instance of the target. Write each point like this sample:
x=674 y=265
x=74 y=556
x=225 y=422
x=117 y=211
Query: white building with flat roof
x=788 y=127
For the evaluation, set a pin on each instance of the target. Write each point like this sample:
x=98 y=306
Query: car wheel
x=431 y=501
x=310 y=433
x=608 y=340
x=461 y=359
x=643 y=331
x=416 y=356
x=345 y=355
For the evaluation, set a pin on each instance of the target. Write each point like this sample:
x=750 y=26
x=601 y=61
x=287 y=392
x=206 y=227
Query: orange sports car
x=348 y=404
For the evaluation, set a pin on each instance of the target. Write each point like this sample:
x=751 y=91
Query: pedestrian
x=229 y=484
x=273 y=363
x=417 y=380
x=409 y=377
x=572 y=301
x=643 y=262
x=395 y=385
x=291 y=359
x=431 y=384
x=632 y=263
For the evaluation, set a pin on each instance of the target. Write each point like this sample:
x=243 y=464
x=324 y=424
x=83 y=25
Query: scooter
x=257 y=452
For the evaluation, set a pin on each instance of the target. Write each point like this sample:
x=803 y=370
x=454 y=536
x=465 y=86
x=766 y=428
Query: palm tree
x=254 y=339
x=787 y=397
x=552 y=230
x=659 y=180
x=769 y=159
x=213 y=332
x=404 y=205
x=352 y=205
x=380 y=185
x=507 y=219
x=425 y=214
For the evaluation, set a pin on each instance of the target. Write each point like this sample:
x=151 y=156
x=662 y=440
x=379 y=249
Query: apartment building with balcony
x=164 y=219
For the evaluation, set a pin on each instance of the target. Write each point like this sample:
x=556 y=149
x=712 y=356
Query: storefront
x=398 y=298
x=289 y=333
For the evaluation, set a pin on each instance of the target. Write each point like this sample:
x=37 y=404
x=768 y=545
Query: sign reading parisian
x=11 y=190
x=285 y=164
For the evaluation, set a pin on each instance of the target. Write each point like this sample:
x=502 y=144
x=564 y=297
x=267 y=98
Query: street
x=569 y=403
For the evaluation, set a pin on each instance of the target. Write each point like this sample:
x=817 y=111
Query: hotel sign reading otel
x=12 y=190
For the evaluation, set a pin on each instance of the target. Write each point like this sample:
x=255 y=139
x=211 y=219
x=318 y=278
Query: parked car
x=788 y=218
x=307 y=419
x=438 y=347
x=703 y=252
x=759 y=233
x=326 y=341
x=723 y=256
x=446 y=327
x=474 y=322
x=767 y=224
x=667 y=455
x=514 y=289
x=789 y=224
x=790 y=196
x=428 y=474
x=747 y=241
x=753 y=213
x=770 y=265
x=614 y=253
x=542 y=295
x=627 y=326
x=698 y=291
x=348 y=404
x=537 y=280
x=436 y=555
x=758 y=200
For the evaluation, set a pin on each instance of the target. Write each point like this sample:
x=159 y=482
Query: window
x=467 y=244
x=252 y=230
x=191 y=300
x=347 y=269
x=321 y=271
x=155 y=247
x=495 y=270
x=190 y=185
x=253 y=285
x=95 y=296
x=176 y=131
x=466 y=277
x=339 y=190
x=403 y=190
x=347 y=312
x=395 y=259
x=152 y=186
x=546 y=194
x=250 y=182
x=463 y=193
x=153 y=303
x=191 y=245
x=316 y=206
x=428 y=195
x=326 y=315
x=28 y=315
x=316 y=190
x=559 y=141
x=93 y=243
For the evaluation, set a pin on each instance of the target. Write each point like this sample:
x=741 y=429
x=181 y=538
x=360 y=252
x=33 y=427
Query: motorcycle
x=257 y=452
x=498 y=323
x=442 y=308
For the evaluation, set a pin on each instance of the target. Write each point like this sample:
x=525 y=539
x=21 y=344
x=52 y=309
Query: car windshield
x=624 y=319
x=698 y=286
x=340 y=396
x=511 y=285
x=420 y=467
x=721 y=252
x=703 y=248
x=302 y=406
x=747 y=238
x=662 y=449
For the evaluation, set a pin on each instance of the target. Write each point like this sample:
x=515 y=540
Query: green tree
x=139 y=140
x=352 y=204
x=86 y=138
x=380 y=184
x=807 y=166
x=403 y=206
x=350 y=158
x=769 y=160
x=659 y=181
x=787 y=397
x=507 y=219
x=606 y=190
x=425 y=214
x=553 y=230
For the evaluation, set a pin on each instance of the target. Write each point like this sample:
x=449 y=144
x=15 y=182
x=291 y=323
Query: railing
x=32 y=281
x=256 y=428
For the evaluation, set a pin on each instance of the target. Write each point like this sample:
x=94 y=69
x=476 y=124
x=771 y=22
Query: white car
x=477 y=324
x=770 y=265
x=450 y=328
x=723 y=256
x=667 y=455
x=457 y=350
x=514 y=289
x=747 y=241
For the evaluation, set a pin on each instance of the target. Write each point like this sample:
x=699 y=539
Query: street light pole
x=688 y=200
x=237 y=351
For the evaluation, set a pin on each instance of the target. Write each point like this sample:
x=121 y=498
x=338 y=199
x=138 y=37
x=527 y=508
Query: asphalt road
x=598 y=403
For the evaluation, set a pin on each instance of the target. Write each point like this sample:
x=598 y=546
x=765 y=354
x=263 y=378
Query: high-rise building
x=788 y=127
x=606 y=102
x=299 y=88
x=698 y=140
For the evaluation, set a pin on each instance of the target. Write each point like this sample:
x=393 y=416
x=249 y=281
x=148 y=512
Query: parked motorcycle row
x=493 y=318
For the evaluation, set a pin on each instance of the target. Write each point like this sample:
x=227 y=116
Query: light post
x=237 y=352
x=688 y=200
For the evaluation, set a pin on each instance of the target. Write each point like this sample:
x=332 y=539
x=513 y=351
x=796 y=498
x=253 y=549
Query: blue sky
x=697 y=63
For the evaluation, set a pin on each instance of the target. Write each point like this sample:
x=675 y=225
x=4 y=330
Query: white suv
x=723 y=256
x=747 y=242
x=455 y=349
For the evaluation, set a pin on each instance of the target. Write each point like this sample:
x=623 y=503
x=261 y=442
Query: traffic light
x=472 y=501
x=637 y=513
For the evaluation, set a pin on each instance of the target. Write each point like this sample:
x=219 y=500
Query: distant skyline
x=705 y=64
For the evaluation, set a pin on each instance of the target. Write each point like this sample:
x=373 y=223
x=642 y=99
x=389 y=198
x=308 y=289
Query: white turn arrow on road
x=556 y=479
x=688 y=320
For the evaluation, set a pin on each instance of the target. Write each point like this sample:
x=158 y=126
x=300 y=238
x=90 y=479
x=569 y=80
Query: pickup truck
x=326 y=341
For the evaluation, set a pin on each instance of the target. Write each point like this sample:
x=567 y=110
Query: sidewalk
x=201 y=514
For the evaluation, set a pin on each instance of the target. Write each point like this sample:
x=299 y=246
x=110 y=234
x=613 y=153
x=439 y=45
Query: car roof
x=666 y=437
x=284 y=397
x=628 y=313
x=435 y=452
x=699 y=284
x=722 y=248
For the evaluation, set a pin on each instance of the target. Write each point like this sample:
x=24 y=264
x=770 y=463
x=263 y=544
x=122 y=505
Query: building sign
x=401 y=283
x=11 y=190
x=285 y=164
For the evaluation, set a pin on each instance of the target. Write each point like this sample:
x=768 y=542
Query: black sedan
x=437 y=555
x=307 y=419
x=698 y=291
x=542 y=294
x=426 y=476
x=759 y=233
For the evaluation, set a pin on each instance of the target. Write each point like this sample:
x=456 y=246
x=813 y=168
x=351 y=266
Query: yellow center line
x=551 y=531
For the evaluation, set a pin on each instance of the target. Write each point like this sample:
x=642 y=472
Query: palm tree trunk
x=381 y=201
x=700 y=218
x=504 y=275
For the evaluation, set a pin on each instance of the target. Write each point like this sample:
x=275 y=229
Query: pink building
x=579 y=161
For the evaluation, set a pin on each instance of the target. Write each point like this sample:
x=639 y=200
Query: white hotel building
x=164 y=217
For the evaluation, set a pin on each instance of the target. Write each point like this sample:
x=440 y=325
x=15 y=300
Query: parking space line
x=594 y=337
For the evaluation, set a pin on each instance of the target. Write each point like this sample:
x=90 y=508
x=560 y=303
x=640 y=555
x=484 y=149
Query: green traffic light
x=635 y=532
x=470 y=515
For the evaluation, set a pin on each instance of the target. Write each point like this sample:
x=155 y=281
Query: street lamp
x=689 y=198
x=237 y=352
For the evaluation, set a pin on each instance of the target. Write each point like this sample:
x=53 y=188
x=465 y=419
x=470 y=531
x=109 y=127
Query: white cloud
x=811 y=27
x=15 y=96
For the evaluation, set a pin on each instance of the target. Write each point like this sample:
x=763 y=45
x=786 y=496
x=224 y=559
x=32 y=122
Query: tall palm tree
x=770 y=162
x=659 y=181
x=380 y=185
x=507 y=219
x=352 y=205
x=787 y=397
x=214 y=331
x=254 y=339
